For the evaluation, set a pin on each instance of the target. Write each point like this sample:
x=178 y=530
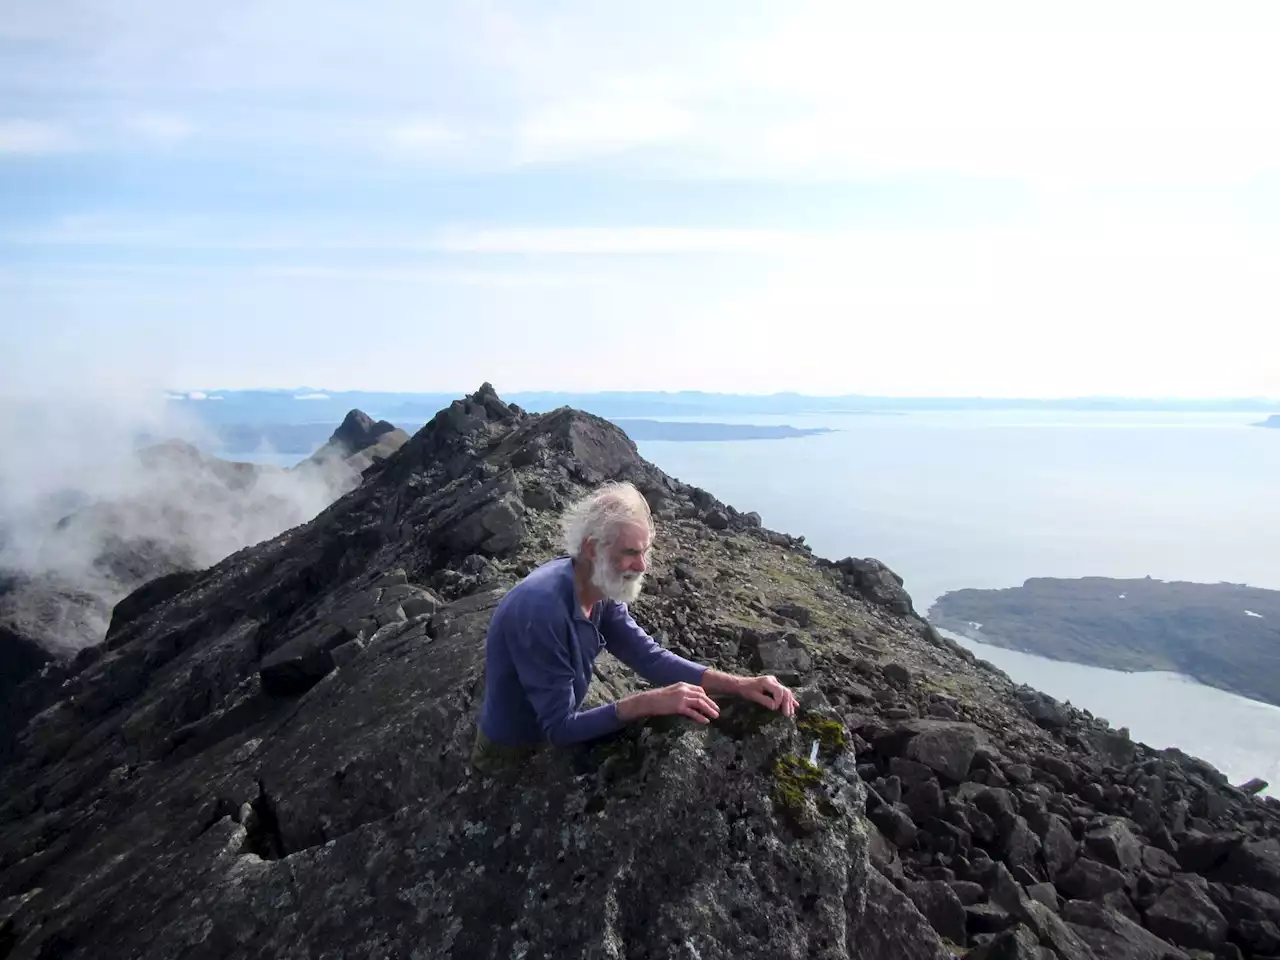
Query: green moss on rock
x=830 y=734
x=795 y=779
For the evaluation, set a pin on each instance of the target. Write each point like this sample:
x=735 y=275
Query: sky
x=733 y=195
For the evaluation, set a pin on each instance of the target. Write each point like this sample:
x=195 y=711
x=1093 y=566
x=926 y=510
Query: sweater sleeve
x=625 y=639
x=541 y=657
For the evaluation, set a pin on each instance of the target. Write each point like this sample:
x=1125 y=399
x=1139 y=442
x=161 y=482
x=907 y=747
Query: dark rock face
x=269 y=758
x=1185 y=915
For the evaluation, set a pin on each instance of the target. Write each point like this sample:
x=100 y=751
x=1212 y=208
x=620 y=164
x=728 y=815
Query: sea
x=988 y=499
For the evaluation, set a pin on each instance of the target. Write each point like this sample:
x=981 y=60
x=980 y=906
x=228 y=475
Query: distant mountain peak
x=358 y=431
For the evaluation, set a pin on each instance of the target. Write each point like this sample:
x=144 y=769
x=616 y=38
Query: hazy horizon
x=175 y=393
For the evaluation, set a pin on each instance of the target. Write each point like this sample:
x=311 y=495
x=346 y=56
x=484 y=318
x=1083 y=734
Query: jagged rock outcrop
x=270 y=760
x=359 y=441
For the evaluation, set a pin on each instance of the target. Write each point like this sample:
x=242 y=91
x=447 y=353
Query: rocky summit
x=269 y=758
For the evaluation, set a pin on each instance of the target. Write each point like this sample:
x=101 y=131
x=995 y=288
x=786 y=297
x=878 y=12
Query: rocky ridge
x=268 y=758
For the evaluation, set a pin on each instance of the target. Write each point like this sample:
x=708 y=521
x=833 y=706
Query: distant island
x=240 y=439
x=697 y=430
x=1272 y=421
x=1224 y=635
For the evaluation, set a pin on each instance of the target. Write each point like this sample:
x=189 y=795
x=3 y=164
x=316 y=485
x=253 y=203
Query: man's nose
x=638 y=565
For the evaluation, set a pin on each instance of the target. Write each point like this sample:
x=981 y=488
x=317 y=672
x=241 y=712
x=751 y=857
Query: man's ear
x=589 y=550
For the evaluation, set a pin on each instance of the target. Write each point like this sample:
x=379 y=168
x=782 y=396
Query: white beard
x=618 y=587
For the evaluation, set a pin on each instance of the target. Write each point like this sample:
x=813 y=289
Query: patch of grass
x=942 y=683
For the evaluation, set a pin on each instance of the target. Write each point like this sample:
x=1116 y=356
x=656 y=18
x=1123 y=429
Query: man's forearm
x=715 y=681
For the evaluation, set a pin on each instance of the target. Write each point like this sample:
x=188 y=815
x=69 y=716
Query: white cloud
x=622 y=240
x=424 y=139
x=617 y=120
x=223 y=235
x=34 y=138
x=311 y=396
x=824 y=89
x=160 y=128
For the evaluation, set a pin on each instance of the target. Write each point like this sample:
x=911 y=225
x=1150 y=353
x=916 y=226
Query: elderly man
x=548 y=629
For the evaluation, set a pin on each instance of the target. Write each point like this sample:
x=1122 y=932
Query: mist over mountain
x=88 y=514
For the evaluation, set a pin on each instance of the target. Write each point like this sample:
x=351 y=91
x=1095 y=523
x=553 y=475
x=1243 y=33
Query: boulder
x=1184 y=914
x=1115 y=845
x=945 y=747
x=1089 y=880
x=302 y=662
x=717 y=520
x=942 y=908
x=1020 y=943
x=1043 y=709
x=871 y=579
x=1255 y=863
x=1114 y=937
x=1059 y=846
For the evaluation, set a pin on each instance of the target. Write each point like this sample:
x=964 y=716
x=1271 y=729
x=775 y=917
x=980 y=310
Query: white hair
x=602 y=513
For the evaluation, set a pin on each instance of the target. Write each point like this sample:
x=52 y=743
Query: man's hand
x=679 y=699
x=767 y=691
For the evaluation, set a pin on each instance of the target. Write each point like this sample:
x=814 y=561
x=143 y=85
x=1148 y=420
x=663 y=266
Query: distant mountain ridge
x=239 y=439
x=308 y=405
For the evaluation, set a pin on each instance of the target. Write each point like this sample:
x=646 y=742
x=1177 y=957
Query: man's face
x=619 y=572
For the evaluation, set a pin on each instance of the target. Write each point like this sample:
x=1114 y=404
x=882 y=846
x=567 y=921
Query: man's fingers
x=706 y=705
x=771 y=693
x=687 y=710
x=764 y=698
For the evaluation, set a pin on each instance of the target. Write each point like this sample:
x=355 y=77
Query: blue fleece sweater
x=539 y=654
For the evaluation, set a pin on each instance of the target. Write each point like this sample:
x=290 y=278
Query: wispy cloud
x=613 y=122
x=823 y=90
x=425 y=139
x=159 y=128
x=34 y=138
x=320 y=236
